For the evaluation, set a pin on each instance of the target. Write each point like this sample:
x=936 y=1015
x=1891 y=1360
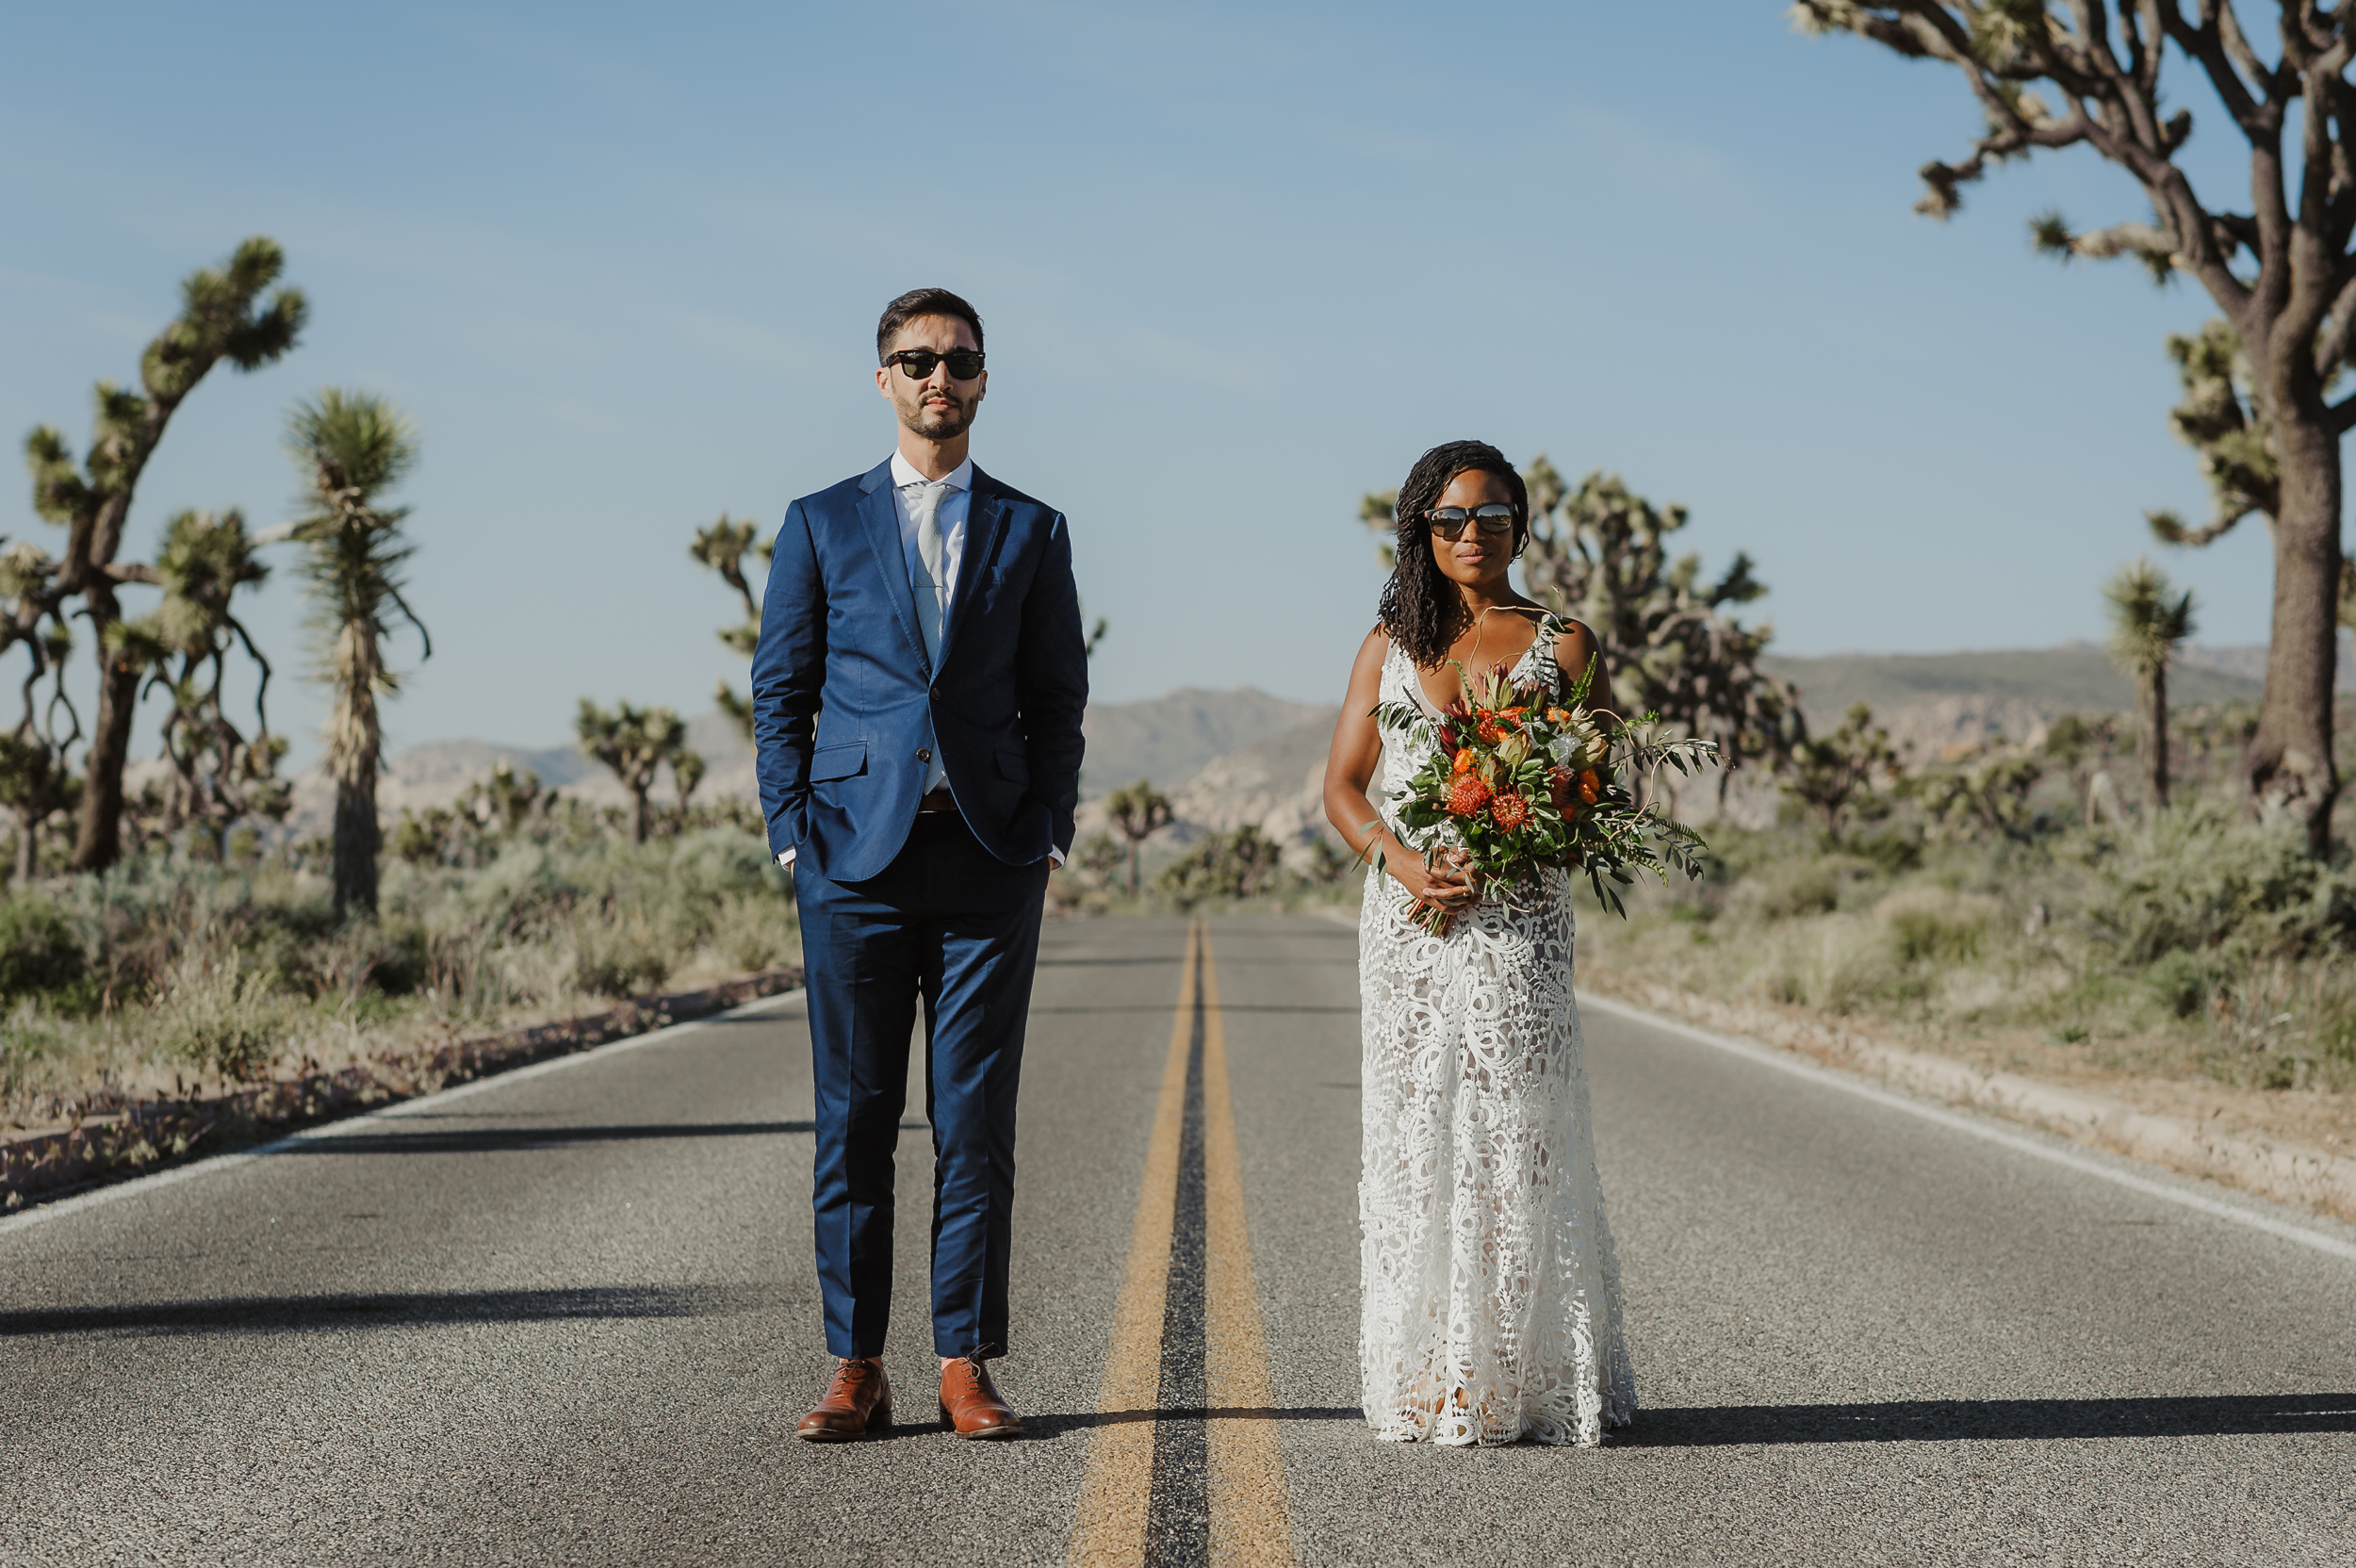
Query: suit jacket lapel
x=879 y=519
x=985 y=520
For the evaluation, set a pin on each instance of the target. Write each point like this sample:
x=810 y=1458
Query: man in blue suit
x=917 y=694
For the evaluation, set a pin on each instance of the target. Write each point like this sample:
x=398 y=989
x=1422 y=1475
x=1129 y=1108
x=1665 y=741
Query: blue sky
x=1239 y=264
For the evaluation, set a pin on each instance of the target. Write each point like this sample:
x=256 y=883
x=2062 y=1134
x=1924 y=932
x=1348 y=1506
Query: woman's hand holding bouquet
x=1516 y=783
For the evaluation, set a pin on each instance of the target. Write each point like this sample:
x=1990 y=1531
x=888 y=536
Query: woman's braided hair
x=1421 y=608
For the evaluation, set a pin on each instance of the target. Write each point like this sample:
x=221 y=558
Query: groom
x=917 y=693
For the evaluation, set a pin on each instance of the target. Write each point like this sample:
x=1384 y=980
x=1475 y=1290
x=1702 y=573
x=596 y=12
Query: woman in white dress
x=1491 y=1299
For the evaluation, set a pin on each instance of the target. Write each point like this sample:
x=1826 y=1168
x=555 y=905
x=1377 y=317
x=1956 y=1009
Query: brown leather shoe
x=858 y=1404
x=970 y=1407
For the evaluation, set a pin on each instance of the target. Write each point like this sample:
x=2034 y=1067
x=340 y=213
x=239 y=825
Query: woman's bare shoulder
x=1367 y=665
x=1573 y=633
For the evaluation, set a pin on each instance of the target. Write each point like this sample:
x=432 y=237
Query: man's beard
x=945 y=426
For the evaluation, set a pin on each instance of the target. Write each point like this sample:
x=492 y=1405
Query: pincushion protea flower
x=1509 y=811
x=1467 y=795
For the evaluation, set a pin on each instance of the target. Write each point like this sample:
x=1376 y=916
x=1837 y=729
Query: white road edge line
x=1833 y=1078
x=218 y=1163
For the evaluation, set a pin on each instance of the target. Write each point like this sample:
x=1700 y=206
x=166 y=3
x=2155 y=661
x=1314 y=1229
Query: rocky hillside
x=1169 y=740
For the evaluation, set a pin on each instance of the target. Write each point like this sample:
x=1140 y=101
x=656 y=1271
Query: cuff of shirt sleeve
x=1055 y=856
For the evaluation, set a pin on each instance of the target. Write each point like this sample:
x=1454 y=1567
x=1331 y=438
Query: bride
x=1491 y=1308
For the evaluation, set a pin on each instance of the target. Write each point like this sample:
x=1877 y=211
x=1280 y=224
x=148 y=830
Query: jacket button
x=924 y=754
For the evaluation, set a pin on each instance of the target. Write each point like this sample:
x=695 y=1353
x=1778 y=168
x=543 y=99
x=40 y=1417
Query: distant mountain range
x=1226 y=758
x=1170 y=739
x=2081 y=678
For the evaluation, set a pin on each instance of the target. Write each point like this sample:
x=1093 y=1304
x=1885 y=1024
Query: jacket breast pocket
x=842 y=762
x=1015 y=765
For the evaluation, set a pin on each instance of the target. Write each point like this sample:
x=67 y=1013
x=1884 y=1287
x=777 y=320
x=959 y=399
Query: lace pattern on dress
x=1490 y=1304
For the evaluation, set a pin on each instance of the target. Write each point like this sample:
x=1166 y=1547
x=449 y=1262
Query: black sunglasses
x=1448 y=521
x=917 y=364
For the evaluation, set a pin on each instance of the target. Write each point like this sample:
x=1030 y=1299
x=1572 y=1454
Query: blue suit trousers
x=948 y=923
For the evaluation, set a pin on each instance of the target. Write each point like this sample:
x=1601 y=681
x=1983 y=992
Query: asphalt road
x=568 y=1315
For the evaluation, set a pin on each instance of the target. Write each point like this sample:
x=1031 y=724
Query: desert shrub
x=1893 y=850
x=2203 y=878
x=619 y=959
x=1243 y=864
x=1937 y=925
x=755 y=931
x=2181 y=982
x=1789 y=889
x=223 y=1018
x=39 y=949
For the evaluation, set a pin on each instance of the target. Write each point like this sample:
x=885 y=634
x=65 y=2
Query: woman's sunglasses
x=1448 y=521
x=917 y=364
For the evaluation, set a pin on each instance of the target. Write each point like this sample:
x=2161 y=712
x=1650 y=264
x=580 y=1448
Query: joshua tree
x=35 y=787
x=1137 y=809
x=351 y=446
x=505 y=800
x=2290 y=306
x=1600 y=554
x=687 y=771
x=220 y=775
x=1378 y=510
x=223 y=316
x=634 y=742
x=35 y=780
x=1830 y=772
x=2146 y=628
x=722 y=547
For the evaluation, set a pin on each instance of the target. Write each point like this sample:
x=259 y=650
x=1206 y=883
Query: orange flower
x=1509 y=811
x=1467 y=795
x=1558 y=715
x=1464 y=761
x=1588 y=787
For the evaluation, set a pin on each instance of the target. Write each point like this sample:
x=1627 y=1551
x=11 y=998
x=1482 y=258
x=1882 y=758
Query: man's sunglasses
x=917 y=364
x=1448 y=521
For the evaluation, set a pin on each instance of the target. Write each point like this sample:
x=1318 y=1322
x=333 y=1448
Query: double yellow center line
x=1183 y=1466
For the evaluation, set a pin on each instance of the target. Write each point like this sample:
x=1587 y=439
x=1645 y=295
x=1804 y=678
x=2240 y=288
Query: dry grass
x=187 y=975
x=2198 y=967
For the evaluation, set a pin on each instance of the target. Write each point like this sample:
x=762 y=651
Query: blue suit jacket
x=844 y=701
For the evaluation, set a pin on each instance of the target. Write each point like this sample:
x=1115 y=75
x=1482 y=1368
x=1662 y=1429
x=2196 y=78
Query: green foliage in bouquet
x=1516 y=783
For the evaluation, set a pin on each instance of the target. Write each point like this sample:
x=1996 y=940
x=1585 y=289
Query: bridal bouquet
x=1516 y=783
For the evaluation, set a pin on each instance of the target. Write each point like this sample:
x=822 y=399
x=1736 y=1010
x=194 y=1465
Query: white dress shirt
x=955 y=508
x=950 y=513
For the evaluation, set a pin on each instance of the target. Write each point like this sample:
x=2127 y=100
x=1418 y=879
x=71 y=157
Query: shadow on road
x=1957 y=1420
x=338 y=1313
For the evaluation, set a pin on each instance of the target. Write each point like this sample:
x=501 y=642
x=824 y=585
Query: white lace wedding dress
x=1491 y=1298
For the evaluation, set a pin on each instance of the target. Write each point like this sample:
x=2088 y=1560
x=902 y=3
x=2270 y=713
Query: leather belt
x=939 y=800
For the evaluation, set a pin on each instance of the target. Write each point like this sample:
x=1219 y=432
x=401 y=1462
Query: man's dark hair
x=1421 y=608
x=922 y=301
